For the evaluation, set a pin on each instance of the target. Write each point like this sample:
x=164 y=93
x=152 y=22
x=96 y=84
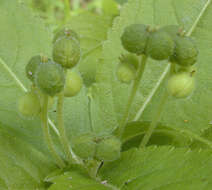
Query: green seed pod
x=108 y=149
x=125 y=72
x=32 y=66
x=84 y=146
x=73 y=84
x=131 y=59
x=66 y=32
x=185 y=53
x=181 y=85
x=29 y=105
x=160 y=45
x=50 y=78
x=134 y=39
x=66 y=52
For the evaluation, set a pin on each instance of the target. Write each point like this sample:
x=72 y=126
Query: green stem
x=158 y=113
x=61 y=128
x=47 y=136
x=135 y=86
x=156 y=118
x=67 y=9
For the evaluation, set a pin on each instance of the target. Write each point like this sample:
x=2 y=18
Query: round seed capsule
x=50 y=78
x=181 y=85
x=160 y=45
x=134 y=39
x=29 y=105
x=73 y=84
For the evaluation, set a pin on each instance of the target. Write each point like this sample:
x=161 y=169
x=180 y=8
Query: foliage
x=166 y=142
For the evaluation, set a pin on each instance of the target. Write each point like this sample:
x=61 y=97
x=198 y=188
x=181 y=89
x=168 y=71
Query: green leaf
x=21 y=165
x=186 y=113
x=77 y=180
x=121 y=1
x=162 y=168
x=22 y=37
x=110 y=7
x=163 y=135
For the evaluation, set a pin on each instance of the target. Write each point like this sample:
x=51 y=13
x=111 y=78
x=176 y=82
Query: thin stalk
x=60 y=122
x=67 y=9
x=135 y=86
x=47 y=136
x=155 y=120
x=158 y=113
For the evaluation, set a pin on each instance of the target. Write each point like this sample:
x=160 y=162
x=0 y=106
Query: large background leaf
x=21 y=37
x=194 y=16
x=161 y=168
x=22 y=167
x=77 y=180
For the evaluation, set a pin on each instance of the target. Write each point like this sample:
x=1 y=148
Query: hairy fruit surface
x=29 y=105
x=65 y=32
x=125 y=72
x=160 y=45
x=66 y=52
x=73 y=84
x=185 y=53
x=50 y=78
x=181 y=85
x=134 y=39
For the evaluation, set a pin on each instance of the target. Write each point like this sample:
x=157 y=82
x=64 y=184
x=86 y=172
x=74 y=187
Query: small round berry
x=32 y=66
x=66 y=52
x=84 y=145
x=29 y=105
x=181 y=85
x=160 y=45
x=125 y=72
x=131 y=59
x=134 y=39
x=66 y=32
x=50 y=78
x=73 y=84
x=108 y=149
x=185 y=53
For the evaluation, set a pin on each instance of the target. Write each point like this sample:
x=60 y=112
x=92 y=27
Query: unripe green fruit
x=29 y=105
x=65 y=32
x=73 y=84
x=134 y=39
x=160 y=45
x=181 y=85
x=50 y=78
x=32 y=66
x=84 y=146
x=131 y=59
x=108 y=149
x=125 y=72
x=185 y=53
x=66 y=52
